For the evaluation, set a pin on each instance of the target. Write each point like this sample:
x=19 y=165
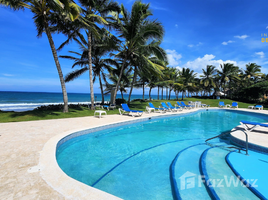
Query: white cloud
x=261 y=54
x=241 y=37
x=192 y=45
x=8 y=75
x=200 y=63
x=226 y=43
x=173 y=57
x=266 y=27
x=176 y=25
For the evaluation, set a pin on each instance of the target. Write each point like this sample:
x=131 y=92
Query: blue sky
x=197 y=33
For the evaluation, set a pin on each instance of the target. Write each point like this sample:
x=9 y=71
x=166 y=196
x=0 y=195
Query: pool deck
x=28 y=168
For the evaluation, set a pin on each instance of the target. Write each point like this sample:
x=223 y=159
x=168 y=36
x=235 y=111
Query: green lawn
x=83 y=111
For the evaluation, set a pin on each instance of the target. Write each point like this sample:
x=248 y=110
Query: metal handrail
x=230 y=132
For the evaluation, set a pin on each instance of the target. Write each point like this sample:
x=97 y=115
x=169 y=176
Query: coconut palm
x=228 y=72
x=101 y=47
x=252 y=73
x=207 y=79
x=45 y=12
x=113 y=78
x=188 y=77
x=94 y=14
x=135 y=29
x=153 y=53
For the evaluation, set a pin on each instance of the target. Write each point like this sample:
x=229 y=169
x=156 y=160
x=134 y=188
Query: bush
x=120 y=101
x=140 y=100
x=59 y=107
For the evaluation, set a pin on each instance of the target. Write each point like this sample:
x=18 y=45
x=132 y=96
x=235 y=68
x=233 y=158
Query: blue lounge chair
x=179 y=104
x=234 y=105
x=172 y=107
x=125 y=108
x=187 y=106
x=159 y=109
x=166 y=107
x=255 y=125
x=259 y=107
x=222 y=105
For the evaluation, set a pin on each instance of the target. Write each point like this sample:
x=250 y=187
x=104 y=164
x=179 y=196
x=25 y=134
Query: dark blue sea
x=22 y=101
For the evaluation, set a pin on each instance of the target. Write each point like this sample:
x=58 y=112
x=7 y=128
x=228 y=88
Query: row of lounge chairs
x=164 y=107
x=235 y=105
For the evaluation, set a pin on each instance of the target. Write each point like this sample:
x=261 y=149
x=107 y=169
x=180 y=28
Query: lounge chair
x=255 y=125
x=166 y=107
x=179 y=104
x=222 y=105
x=125 y=108
x=259 y=107
x=188 y=106
x=234 y=105
x=172 y=107
x=157 y=109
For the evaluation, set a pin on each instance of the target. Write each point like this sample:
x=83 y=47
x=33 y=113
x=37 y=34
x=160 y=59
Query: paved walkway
x=22 y=142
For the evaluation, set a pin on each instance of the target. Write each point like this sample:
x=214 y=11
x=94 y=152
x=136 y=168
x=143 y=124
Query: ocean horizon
x=23 y=101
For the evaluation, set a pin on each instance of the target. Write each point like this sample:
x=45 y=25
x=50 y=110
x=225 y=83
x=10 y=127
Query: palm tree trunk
x=143 y=90
x=166 y=93
x=157 y=92
x=119 y=78
x=132 y=84
x=182 y=95
x=54 y=52
x=162 y=93
x=169 y=93
x=90 y=70
x=122 y=94
x=102 y=95
x=150 y=93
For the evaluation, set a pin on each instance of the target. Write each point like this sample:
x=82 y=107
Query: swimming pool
x=134 y=161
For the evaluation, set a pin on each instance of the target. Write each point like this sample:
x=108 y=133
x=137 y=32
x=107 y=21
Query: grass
x=8 y=116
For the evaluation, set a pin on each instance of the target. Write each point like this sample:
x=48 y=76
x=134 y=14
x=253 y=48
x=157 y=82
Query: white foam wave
x=30 y=106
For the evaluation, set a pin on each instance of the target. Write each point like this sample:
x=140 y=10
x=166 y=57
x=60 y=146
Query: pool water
x=133 y=161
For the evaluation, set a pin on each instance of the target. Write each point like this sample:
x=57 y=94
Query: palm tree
x=188 y=77
x=252 y=73
x=207 y=79
x=228 y=72
x=94 y=14
x=124 y=82
x=102 y=46
x=153 y=53
x=136 y=29
x=45 y=12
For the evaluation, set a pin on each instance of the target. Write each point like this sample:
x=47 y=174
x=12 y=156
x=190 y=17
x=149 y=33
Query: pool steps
x=207 y=162
x=245 y=168
x=214 y=167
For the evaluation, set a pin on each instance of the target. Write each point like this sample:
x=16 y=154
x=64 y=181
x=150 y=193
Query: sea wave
x=19 y=107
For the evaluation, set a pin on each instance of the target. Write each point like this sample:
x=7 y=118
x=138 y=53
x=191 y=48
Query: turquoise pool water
x=133 y=161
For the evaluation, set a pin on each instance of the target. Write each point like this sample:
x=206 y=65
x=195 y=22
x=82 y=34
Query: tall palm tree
x=135 y=28
x=94 y=14
x=45 y=12
x=102 y=46
x=228 y=72
x=124 y=82
x=207 y=79
x=252 y=73
x=153 y=53
x=188 y=77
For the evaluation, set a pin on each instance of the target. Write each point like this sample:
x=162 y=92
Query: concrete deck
x=28 y=168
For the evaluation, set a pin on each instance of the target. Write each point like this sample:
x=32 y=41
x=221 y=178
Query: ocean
x=23 y=101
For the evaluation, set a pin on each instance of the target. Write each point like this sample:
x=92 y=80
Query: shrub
x=120 y=101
